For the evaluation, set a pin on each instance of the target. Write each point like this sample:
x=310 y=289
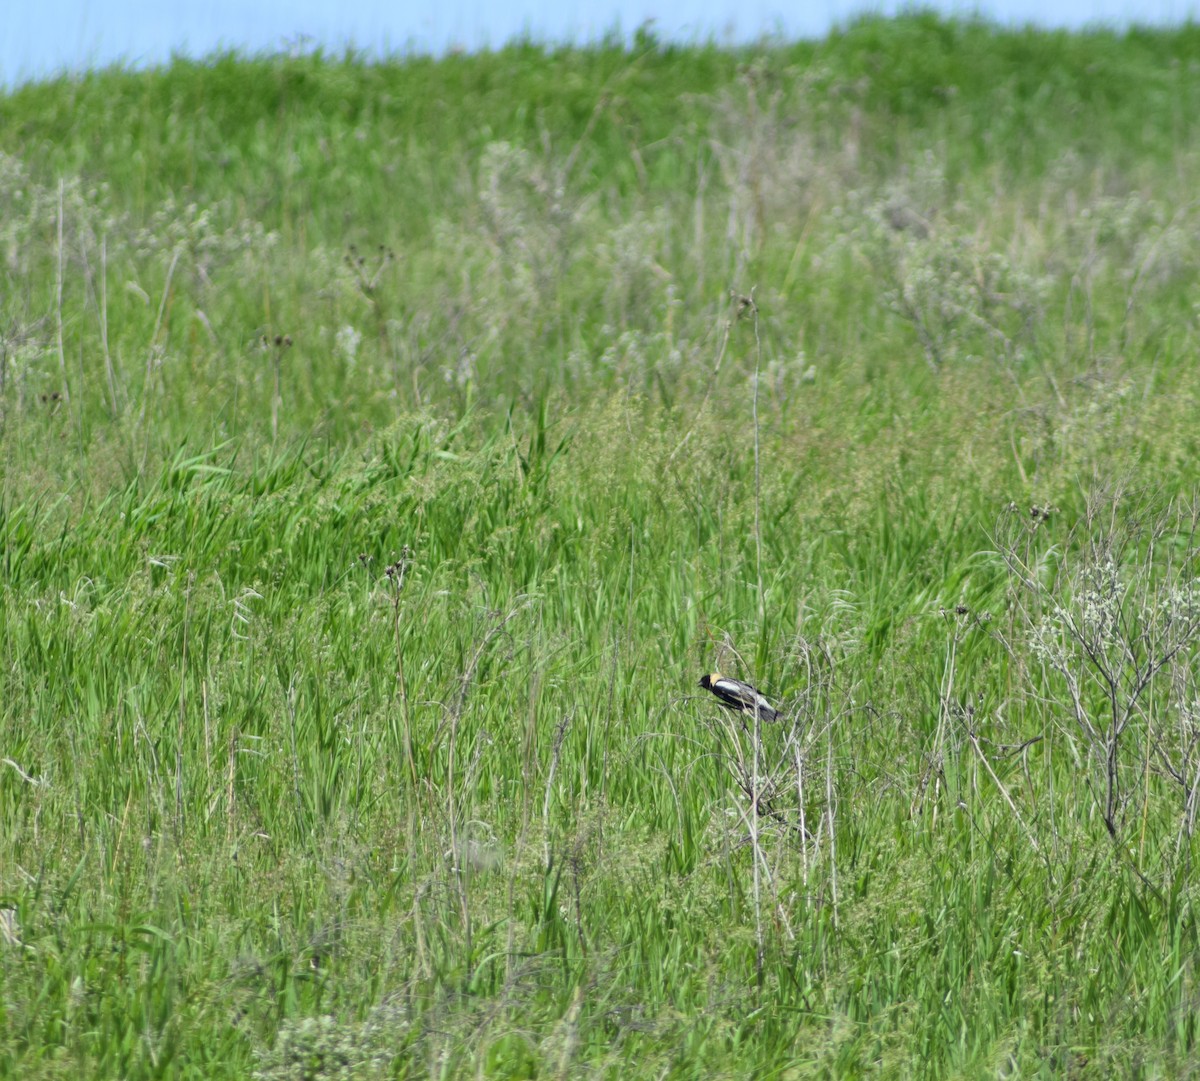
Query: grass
x=348 y=710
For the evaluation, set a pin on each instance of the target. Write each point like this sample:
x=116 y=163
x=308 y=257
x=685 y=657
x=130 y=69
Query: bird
x=736 y=695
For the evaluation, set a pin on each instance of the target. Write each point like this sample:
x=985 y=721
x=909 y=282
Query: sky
x=39 y=38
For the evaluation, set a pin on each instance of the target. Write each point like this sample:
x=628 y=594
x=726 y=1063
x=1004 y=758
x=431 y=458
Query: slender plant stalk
x=183 y=670
x=58 y=305
x=758 y=569
x=109 y=370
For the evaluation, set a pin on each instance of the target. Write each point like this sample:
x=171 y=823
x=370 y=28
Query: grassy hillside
x=387 y=449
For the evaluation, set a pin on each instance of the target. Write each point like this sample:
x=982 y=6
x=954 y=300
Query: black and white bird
x=736 y=695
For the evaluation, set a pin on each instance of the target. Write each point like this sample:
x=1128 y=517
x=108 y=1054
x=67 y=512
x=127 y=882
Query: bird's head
x=708 y=679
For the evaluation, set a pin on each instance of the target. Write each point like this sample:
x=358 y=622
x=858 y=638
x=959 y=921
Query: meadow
x=388 y=447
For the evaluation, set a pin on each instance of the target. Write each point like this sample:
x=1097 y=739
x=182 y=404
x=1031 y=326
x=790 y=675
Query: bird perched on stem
x=736 y=695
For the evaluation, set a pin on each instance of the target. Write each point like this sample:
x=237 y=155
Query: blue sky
x=40 y=37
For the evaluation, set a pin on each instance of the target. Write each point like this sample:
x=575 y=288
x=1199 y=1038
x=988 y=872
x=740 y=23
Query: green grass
x=348 y=704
